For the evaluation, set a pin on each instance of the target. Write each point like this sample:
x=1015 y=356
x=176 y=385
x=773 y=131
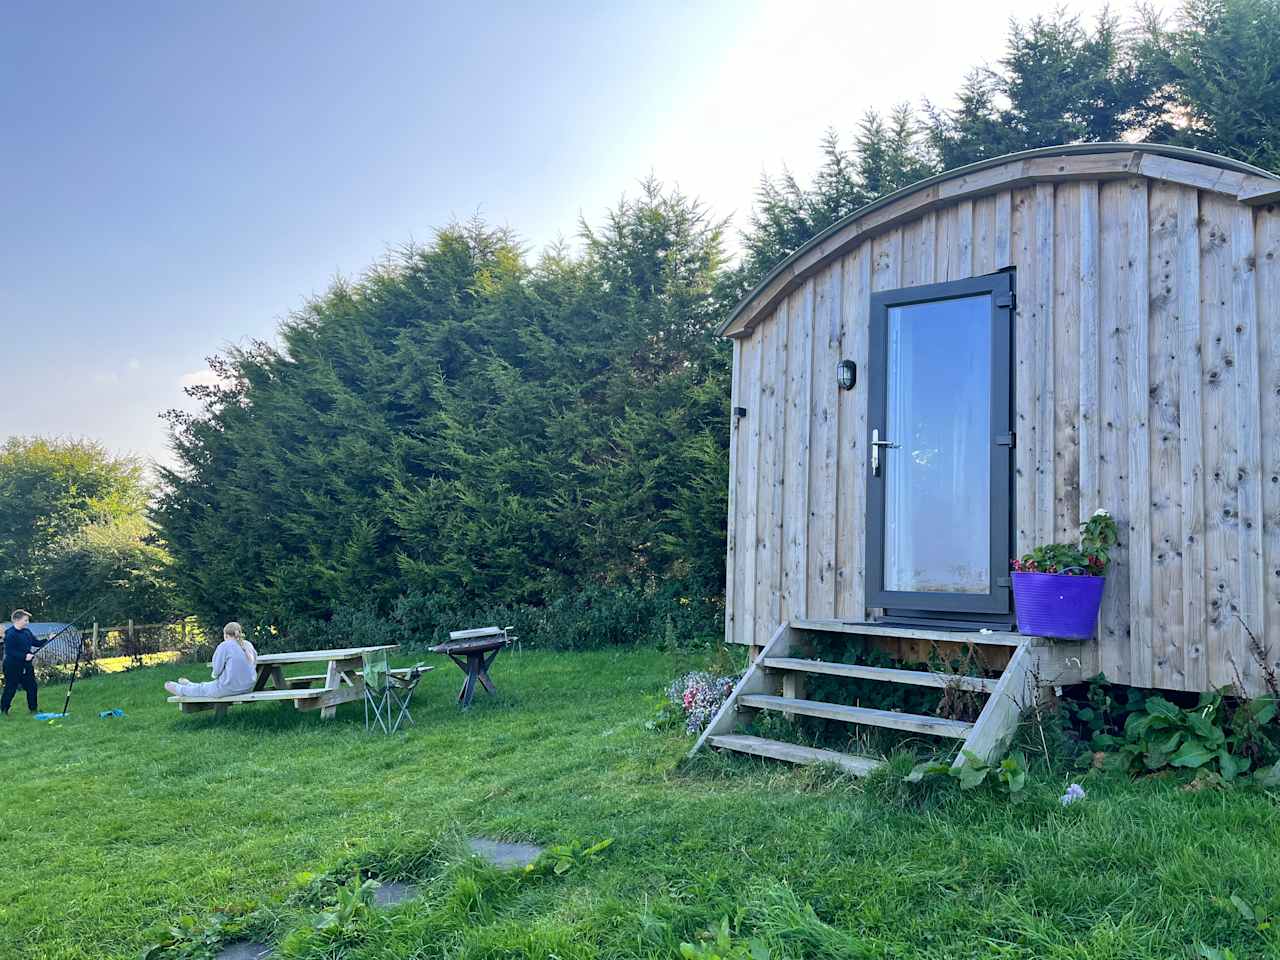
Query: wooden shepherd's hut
x=972 y=366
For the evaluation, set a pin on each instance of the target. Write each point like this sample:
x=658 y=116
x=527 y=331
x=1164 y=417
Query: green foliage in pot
x=1098 y=536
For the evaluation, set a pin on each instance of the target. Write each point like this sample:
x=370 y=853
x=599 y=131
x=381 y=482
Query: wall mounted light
x=846 y=374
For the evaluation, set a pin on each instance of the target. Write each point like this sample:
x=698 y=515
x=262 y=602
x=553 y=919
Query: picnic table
x=342 y=679
x=480 y=647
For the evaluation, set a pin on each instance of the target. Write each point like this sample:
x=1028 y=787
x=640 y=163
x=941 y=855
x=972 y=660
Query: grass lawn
x=113 y=829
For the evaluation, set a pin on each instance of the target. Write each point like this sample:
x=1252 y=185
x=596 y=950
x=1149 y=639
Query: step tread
x=915 y=722
x=920 y=678
x=997 y=638
x=794 y=752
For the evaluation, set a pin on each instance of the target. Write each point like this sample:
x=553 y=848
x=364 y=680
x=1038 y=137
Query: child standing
x=20 y=645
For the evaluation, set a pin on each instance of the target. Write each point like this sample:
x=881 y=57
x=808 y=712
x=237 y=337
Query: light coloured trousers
x=210 y=689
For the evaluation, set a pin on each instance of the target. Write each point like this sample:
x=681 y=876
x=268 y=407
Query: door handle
x=876 y=444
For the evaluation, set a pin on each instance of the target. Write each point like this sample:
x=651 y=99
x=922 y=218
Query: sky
x=177 y=177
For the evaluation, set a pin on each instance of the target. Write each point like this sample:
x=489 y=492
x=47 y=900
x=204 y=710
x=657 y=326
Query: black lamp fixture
x=846 y=374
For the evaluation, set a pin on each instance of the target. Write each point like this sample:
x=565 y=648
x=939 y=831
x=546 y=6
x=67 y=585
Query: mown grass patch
x=113 y=829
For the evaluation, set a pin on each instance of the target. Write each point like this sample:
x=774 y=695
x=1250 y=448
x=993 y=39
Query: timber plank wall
x=1147 y=371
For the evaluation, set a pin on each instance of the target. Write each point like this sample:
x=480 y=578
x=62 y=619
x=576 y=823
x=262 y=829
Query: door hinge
x=1007 y=299
x=1007 y=440
x=1003 y=581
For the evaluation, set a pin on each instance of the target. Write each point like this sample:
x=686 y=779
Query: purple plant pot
x=1057 y=604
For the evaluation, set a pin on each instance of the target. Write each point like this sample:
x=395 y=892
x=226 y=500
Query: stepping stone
x=244 y=951
x=394 y=892
x=504 y=855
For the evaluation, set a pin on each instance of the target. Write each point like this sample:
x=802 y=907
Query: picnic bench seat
x=220 y=704
x=308 y=679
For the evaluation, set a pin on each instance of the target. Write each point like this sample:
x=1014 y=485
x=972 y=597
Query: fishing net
x=57 y=658
x=63 y=648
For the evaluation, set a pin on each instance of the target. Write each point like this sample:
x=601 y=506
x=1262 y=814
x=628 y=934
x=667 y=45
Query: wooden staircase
x=775 y=681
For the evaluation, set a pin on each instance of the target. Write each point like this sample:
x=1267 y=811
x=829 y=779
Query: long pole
x=75 y=672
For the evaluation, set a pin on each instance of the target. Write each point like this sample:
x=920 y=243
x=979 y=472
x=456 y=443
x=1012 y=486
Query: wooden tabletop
x=309 y=656
x=475 y=645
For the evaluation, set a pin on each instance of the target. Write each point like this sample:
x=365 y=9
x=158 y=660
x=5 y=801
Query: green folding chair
x=401 y=686
x=377 y=691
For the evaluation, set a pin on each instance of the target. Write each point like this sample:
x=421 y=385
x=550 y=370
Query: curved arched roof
x=1196 y=168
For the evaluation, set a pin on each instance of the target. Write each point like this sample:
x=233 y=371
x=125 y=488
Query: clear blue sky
x=178 y=176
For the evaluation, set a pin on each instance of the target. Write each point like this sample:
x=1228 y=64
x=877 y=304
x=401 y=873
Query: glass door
x=939 y=466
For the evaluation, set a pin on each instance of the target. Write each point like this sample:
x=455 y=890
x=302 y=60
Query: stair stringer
x=755 y=680
x=998 y=721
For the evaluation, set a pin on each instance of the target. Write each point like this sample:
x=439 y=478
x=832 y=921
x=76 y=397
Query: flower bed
x=698 y=696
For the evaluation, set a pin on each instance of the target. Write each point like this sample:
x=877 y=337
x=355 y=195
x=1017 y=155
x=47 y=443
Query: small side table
x=474 y=652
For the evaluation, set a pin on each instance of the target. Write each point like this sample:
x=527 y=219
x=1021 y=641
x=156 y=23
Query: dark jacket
x=18 y=643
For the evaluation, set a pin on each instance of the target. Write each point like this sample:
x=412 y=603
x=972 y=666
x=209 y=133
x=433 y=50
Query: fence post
x=133 y=645
x=94 y=641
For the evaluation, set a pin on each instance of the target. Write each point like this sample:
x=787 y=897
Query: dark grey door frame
x=997 y=604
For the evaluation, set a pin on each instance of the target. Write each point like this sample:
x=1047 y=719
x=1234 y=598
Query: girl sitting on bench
x=233 y=668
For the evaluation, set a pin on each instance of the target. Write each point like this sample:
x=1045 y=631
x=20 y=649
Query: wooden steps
x=911 y=722
x=994 y=637
x=781 y=668
x=794 y=753
x=920 y=678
